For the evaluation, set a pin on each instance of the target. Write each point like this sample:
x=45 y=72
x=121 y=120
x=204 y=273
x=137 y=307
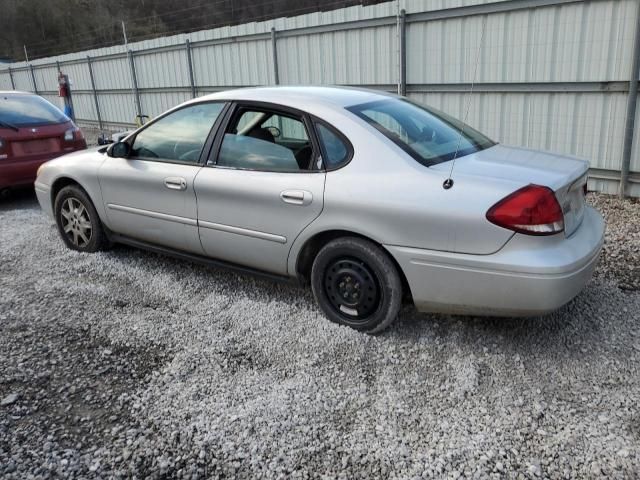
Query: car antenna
x=448 y=183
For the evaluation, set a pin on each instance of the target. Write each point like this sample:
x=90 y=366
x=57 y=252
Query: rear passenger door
x=262 y=185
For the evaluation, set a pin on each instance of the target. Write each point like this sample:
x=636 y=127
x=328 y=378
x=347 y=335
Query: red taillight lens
x=533 y=210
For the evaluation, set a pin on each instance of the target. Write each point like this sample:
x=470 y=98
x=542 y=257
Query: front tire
x=356 y=284
x=78 y=222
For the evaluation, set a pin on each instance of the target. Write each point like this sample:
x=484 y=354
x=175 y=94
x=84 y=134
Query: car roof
x=302 y=95
x=15 y=92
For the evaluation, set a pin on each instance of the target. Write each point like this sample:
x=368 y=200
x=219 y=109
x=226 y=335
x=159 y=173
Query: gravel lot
x=127 y=364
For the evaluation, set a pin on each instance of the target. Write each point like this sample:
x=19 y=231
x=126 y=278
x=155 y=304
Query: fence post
x=13 y=83
x=403 y=53
x=33 y=79
x=274 y=50
x=632 y=102
x=134 y=80
x=95 y=92
x=190 y=65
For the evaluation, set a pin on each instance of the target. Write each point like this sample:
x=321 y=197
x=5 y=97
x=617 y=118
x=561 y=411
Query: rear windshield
x=428 y=135
x=22 y=110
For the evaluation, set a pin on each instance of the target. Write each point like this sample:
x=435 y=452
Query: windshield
x=22 y=110
x=428 y=135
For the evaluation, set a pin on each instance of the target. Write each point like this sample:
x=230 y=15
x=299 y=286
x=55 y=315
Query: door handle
x=175 y=183
x=296 y=197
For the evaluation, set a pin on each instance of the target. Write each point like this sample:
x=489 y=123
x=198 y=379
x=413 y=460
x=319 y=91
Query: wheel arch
x=312 y=245
x=66 y=180
x=60 y=183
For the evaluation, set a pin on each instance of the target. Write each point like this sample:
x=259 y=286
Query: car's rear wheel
x=78 y=222
x=357 y=284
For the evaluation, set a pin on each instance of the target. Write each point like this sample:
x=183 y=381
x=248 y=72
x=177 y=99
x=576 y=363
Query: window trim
x=238 y=105
x=205 y=147
x=341 y=136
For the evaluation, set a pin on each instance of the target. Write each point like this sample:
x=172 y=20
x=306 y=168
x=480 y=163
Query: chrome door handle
x=296 y=197
x=175 y=183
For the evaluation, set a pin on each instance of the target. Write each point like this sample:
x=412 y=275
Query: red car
x=32 y=131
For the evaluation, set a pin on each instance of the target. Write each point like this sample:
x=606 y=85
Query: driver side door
x=149 y=196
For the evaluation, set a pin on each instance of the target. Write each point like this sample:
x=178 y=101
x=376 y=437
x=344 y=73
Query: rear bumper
x=528 y=276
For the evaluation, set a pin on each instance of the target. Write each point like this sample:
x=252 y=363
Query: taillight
x=533 y=210
x=73 y=134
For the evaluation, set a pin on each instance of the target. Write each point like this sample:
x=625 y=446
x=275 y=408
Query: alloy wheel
x=76 y=222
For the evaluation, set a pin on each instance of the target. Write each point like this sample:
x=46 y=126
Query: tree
x=61 y=26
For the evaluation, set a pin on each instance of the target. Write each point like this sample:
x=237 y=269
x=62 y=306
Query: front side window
x=179 y=136
x=428 y=135
x=22 y=110
x=267 y=141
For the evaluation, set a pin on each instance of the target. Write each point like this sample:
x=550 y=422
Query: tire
x=78 y=222
x=356 y=284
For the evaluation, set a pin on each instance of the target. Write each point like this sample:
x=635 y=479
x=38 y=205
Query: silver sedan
x=369 y=198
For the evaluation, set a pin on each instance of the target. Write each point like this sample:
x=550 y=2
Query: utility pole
x=632 y=105
x=25 y=53
x=124 y=34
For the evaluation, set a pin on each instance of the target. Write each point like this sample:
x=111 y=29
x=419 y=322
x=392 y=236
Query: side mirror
x=119 y=150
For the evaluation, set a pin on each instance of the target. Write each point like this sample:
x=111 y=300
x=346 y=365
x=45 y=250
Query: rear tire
x=78 y=222
x=356 y=284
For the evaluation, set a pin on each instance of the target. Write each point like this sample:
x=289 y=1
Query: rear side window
x=265 y=140
x=244 y=152
x=29 y=110
x=336 y=151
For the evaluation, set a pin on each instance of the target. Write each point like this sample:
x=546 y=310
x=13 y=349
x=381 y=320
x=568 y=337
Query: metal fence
x=559 y=75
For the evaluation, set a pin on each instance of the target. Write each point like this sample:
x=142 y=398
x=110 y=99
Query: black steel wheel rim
x=352 y=289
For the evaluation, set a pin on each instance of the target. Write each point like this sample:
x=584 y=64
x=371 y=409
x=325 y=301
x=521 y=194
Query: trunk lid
x=565 y=175
x=33 y=141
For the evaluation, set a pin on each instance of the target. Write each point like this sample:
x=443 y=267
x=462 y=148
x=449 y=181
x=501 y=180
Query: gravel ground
x=127 y=364
x=620 y=261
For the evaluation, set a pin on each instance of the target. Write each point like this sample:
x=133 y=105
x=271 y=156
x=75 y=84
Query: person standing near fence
x=64 y=92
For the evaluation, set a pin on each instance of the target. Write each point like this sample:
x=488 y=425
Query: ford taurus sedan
x=352 y=191
x=32 y=131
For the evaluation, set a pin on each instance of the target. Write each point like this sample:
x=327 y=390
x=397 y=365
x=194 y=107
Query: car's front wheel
x=357 y=284
x=78 y=222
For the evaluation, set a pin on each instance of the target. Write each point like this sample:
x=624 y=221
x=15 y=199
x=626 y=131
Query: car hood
x=520 y=165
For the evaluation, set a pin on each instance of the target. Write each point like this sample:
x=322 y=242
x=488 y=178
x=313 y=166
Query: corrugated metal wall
x=550 y=74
